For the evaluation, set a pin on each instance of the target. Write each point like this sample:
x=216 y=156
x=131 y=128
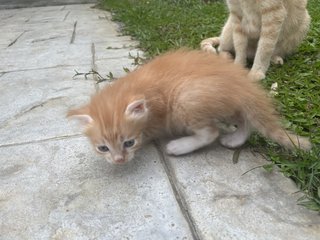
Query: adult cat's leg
x=224 y=42
x=240 y=41
x=201 y=138
x=292 y=34
x=272 y=17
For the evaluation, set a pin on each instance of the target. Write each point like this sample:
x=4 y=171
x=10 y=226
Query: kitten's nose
x=119 y=159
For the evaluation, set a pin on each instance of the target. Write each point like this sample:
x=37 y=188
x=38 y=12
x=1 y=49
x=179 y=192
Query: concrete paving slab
x=19 y=17
x=36 y=102
x=48 y=16
x=85 y=33
x=67 y=55
x=32 y=35
x=5 y=4
x=77 y=13
x=225 y=204
x=54 y=186
x=61 y=190
x=9 y=38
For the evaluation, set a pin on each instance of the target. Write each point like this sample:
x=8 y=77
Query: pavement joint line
x=45 y=39
x=15 y=40
x=7 y=17
x=74 y=32
x=62 y=8
x=177 y=194
x=65 y=17
x=42 y=140
x=36 y=69
x=94 y=66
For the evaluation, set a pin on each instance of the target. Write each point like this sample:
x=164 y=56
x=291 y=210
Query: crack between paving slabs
x=78 y=135
x=94 y=67
x=177 y=193
x=15 y=40
x=65 y=17
x=42 y=68
x=73 y=36
x=29 y=109
x=5 y=18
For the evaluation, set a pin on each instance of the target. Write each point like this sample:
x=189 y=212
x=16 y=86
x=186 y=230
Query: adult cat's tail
x=262 y=116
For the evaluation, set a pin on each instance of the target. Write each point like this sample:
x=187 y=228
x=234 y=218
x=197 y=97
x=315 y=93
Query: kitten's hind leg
x=238 y=137
x=201 y=138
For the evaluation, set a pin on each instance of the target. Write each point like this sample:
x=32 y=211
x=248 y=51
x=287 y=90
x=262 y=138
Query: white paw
x=176 y=147
x=229 y=142
x=233 y=140
x=209 y=44
x=207 y=47
x=277 y=60
x=256 y=75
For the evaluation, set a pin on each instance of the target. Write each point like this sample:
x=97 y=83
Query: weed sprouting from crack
x=137 y=60
x=98 y=79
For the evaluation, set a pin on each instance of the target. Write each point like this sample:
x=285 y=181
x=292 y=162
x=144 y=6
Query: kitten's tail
x=262 y=116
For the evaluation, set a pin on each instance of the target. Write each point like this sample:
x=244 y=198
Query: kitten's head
x=114 y=129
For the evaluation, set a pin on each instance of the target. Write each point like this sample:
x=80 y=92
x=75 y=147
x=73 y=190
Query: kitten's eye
x=103 y=148
x=129 y=143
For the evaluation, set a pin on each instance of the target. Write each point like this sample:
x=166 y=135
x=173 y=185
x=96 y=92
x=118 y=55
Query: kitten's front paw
x=176 y=147
x=256 y=75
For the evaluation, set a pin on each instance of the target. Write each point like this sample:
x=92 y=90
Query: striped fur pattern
x=263 y=30
x=185 y=95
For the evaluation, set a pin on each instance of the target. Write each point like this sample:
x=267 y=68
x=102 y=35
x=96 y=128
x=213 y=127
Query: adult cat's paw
x=277 y=60
x=256 y=75
x=209 y=44
x=207 y=47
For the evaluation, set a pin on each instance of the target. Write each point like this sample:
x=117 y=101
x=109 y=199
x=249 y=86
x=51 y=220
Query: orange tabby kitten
x=182 y=93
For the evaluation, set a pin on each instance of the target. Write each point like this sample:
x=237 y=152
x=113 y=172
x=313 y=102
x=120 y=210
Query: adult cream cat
x=182 y=93
x=262 y=30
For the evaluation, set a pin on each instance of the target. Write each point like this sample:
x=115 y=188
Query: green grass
x=160 y=25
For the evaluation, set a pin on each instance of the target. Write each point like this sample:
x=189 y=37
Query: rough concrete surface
x=53 y=185
x=9 y=4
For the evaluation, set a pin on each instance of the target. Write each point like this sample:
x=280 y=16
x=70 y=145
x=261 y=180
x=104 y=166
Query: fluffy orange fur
x=182 y=93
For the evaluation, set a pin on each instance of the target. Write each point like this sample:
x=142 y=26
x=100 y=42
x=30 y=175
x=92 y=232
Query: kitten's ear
x=137 y=109
x=82 y=115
